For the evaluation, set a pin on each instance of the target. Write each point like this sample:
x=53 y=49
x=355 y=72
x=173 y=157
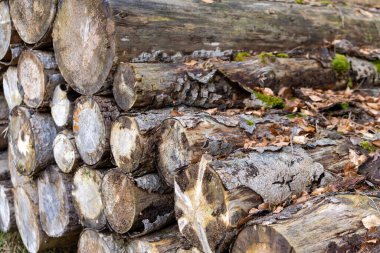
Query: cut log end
x=89 y=130
x=5 y=28
x=12 y=90
x=91 y=56
x=93 y=241
x=33 y=19
x=65 y=152
x=87 y=198
x=61 y=106
x=123 y=86
x=126 y=144
x=7 y=216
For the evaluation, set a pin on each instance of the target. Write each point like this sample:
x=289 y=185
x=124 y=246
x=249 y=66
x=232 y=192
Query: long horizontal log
x=136 y=206
x=125 y=28
x=230 y=187
x=7 y=213
x=31 y=135
x=324 y=224
x=12 y=89
x=33 y=20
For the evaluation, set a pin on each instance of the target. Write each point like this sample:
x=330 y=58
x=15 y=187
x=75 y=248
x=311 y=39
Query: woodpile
x=190 y=126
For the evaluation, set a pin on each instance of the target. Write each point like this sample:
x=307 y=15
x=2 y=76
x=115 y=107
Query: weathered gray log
x=184 y=139
x=31 y=135
x=16 y=178
x=38 y=75
x=324 y=224
x=65 y=152
x=10 y=40
x=4 y=120
x=33 y=19
x=7 y=213
x=158 y=85
x=5 y=174
x=233 y=182
x=105 y=242
x=123 y=29
x=133 y=141
x=92 y=121
x=62 y=105
x=87 y=197
x=136 y=206
x=57 y=214
x=12 y=89
x=28 y=221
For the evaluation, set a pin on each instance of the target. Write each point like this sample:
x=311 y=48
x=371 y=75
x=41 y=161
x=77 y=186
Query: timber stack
x=190 y=126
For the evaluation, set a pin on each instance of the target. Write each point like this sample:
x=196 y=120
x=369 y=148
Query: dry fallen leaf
x=376 y=143
x=371 y=221
x=191 y=63
x=356 y=159
x=278 y=209
x=300 y=139
x=315 y=98
x=176 y=113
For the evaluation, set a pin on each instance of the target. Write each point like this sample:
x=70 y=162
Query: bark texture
x=123 y=29
x=136 y=206
x=31 y=134
x=92 y=121
x=330 y=224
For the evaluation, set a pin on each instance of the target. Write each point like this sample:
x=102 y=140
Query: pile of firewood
x=125 y=127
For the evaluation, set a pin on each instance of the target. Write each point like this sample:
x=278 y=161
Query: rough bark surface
x=7 y=213
x=65 y=152
x=12 y=89
x=92 y=121
x=136 y=206
x=87 y=198
x=123 y=29
x=38 y=76
x=330 y=224
x=156 y=85
x=57 y=214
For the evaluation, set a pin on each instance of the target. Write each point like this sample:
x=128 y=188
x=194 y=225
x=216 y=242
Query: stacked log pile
x=164 y=126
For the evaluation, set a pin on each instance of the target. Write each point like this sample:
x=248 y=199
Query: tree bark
x=62 y=105
x=31 y=134
x=92 y=121
x=65 y=152
x=28 y=222
x=323 y=224
x=38 y=75
x=34 y=20
x=133 y=141
x=57 y=214
x=126 y=28
x=105 y=242
x=87 y=198
x=10 y=40
x=156 y=85
x=184 y=139
x=4 y=121
x=136 y=206
x=233 y=182
x=7 y=213
x=12 y=89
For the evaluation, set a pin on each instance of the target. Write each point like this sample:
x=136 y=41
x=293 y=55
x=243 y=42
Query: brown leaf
x=316 y=98
x=278 y=209
x=376 y=143
x=191 y=63
x=264 y=206
x=175 y=113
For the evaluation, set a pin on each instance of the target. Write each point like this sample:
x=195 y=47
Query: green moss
x=264 y=56
x=326 y=2
x=282 y=55
x=377 y=65
x=350 y=83
x=299 y=1
x=340 y=64
x=241 y=56
x=344 y=106
x=270 y=101
x=249 y=122
x=367 y=146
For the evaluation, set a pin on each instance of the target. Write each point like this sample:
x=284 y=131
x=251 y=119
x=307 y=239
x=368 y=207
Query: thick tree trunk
x=65 y=152
x=7 y=213
x=157 y=85
x=31 y=135
x=133 y=141
x=62 y=105
x=323 y=224
x=38 y=75
x=87 y=198
x=92 y=121
x=93 y=241
x=34 y=19
x=184 y=139
x=136 y=206
x=57 y=214
x=237 y=184
x=10 y=40
x=125 y=28
x=28 y=222
x=12 y=89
